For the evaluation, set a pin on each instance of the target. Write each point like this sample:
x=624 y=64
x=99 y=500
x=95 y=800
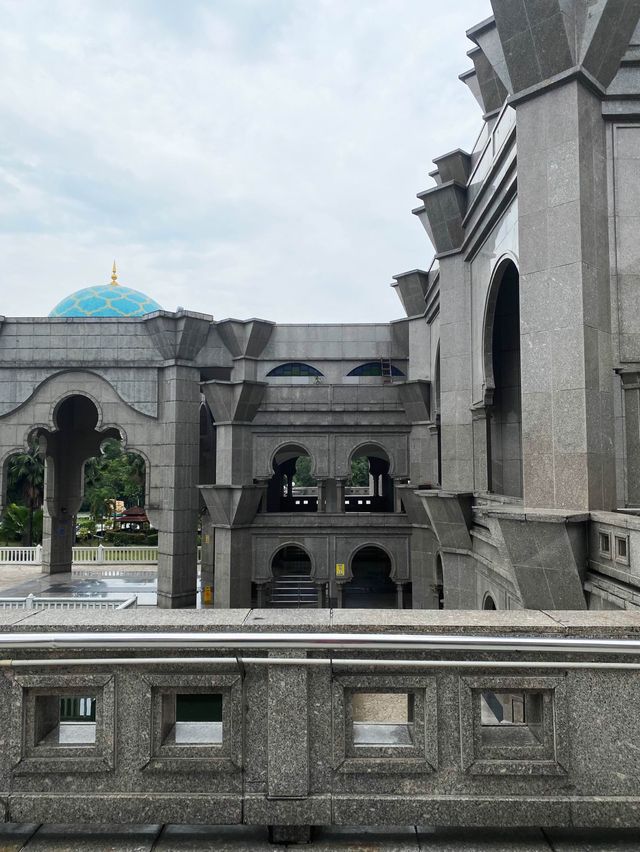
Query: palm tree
x=26 y=479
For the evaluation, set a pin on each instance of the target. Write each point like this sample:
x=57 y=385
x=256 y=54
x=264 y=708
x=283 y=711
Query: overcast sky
x=237 y=157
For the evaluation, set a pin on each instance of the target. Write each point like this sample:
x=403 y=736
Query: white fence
x=32 y=602
x=83 y=555
x=106 y=555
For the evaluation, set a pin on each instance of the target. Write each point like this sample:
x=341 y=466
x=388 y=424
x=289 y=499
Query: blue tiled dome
x=105 y=300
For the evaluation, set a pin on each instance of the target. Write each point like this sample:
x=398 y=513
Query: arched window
x=293 y=368
x=374 y=368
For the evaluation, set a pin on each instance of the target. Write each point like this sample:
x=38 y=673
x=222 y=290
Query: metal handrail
x=325 y=662
x=318 y=641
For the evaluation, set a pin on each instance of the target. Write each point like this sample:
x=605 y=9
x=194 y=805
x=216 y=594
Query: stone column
x=233 y=501
x=177 y=515
x=455 y=373
x=66 y=449
x=334 y=495
x=480 y=418
x=63 y=484
x=233 y=568
x=567 y=389
x=557 y=71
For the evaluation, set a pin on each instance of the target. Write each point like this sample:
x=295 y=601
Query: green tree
x=359 y=472
x=17 y=521
x=302 y=477
x=26 y=485
x=114 y=475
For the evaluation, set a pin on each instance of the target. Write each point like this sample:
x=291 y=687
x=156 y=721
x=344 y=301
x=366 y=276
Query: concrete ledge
x=454 y=811
x=103 y=808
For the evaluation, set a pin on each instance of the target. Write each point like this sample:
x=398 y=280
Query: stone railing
x=85 y=555
x=325 y=717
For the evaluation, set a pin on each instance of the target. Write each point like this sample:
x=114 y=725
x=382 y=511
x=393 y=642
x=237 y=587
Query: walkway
x=83 y=581
x=181 y=838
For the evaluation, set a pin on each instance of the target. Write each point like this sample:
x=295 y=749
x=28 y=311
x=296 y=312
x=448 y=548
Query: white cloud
x=239 y=157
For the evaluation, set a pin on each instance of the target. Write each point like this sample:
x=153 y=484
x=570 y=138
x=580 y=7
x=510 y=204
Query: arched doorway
x=292 y=585
x=66 y=448
x=371 y=585
x=369 y=487
x=502 y=377
x=292 y=488
x=489 y=602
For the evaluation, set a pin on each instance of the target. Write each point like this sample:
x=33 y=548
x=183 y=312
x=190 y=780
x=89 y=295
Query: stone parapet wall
x=293 y=746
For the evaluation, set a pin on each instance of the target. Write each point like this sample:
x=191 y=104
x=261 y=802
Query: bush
x=86 y=530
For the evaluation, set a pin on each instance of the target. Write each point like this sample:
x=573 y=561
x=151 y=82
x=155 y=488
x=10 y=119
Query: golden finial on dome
x=114 y=275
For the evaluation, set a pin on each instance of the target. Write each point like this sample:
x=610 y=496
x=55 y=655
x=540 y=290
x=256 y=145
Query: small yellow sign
x=207 y=595
x=340 y=569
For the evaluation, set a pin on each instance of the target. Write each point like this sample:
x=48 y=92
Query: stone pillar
x=62 y=499
x=480 y=420
x=288 y=744
x=233 y=501
x=334 y=495
x=232 y=568
x=567 y=388
x=66 y=449
x=557 y=83
x=321 y=498
x=399 y=593
x=455 y=375
x=58 y=537
x=176 y=516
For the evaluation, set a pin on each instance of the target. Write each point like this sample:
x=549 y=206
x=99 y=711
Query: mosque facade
x=500 y=418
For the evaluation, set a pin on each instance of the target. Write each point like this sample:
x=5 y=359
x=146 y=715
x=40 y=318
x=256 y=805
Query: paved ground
x=115 y=581
x=167 y=838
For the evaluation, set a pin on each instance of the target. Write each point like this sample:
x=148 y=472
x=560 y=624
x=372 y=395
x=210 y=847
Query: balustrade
x=434 y=718
x=86 y=555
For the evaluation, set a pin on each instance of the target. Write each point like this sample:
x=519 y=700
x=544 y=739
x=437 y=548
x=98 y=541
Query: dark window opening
x=504 y=416
x=293 y=369
x=376 y=368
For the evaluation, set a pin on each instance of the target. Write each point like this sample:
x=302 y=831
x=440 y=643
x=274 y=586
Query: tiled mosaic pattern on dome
x=105 y=300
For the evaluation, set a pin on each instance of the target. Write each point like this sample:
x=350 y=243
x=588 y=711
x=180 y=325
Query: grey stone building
x=500 y=418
